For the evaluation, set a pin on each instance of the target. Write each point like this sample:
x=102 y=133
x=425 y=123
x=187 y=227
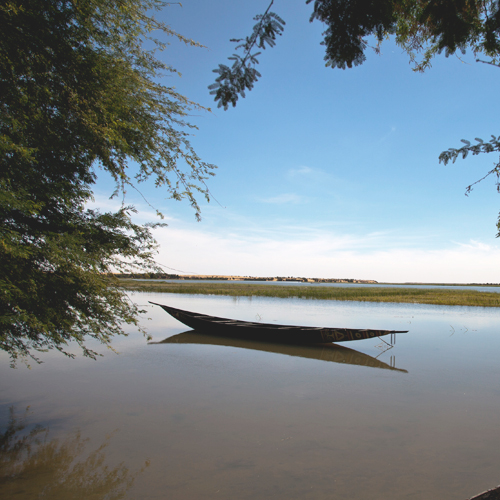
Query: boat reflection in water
x=323 y=352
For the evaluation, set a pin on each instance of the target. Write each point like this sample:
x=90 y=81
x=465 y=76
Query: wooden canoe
x=493 y=494
x=270 y=332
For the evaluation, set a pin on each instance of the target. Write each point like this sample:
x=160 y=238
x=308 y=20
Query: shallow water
x=184 y=419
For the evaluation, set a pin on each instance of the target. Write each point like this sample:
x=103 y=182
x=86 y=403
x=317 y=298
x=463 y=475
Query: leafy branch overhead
x=423 y=28
x=348 y=23
x=233 y=81
x=480 y=147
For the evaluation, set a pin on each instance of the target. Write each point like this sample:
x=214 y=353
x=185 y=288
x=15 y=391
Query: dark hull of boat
x=270 y=332
x=493 y=494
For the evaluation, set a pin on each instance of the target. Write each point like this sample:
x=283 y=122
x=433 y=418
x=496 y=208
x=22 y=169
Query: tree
x=80 y=91
x=423 y=28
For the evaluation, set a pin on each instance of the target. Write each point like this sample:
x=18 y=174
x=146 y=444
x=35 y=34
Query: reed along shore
x=437 y=296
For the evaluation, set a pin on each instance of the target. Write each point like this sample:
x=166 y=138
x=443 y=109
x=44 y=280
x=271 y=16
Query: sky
x=324 y=172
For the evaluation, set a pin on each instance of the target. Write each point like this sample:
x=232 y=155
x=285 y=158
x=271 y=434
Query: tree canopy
x=422 y=28
x=79 y=92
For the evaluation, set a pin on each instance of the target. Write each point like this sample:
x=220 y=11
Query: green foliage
x=491 y=146
x=233 y=81
x=480 y=147
x=80 y=92
x=420 y=27
x=431 y=27
x=420 y=295
x=348 y=24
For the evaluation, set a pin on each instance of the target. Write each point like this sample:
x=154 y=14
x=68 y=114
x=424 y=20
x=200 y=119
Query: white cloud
x=278 y=248
x=312 y=254
x=476 y=245
x=328 y=181
x=300 y=171
x=285 y=198
x=388 y=134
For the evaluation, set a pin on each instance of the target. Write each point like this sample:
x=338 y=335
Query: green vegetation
x=422 y=28
x=80 y=91
x=365 y=294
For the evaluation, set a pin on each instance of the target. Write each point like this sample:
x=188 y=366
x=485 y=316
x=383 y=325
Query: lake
x=203 y=418
x=479 y=288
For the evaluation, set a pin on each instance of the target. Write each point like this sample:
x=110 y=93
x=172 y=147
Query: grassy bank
x=367 y=294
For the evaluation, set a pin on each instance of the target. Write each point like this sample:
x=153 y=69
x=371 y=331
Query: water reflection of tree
x=32 y=466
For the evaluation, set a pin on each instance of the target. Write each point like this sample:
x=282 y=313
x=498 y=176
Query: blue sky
x=325 y=172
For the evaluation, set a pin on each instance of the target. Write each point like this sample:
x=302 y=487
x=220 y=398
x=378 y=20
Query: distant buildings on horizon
x=219 y=277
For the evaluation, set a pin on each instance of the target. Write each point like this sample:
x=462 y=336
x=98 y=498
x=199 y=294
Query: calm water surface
x=195 y=417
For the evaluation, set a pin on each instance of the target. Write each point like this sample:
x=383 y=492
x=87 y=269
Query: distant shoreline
x=451 y=296
x=292 y=279
x=222 y=277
